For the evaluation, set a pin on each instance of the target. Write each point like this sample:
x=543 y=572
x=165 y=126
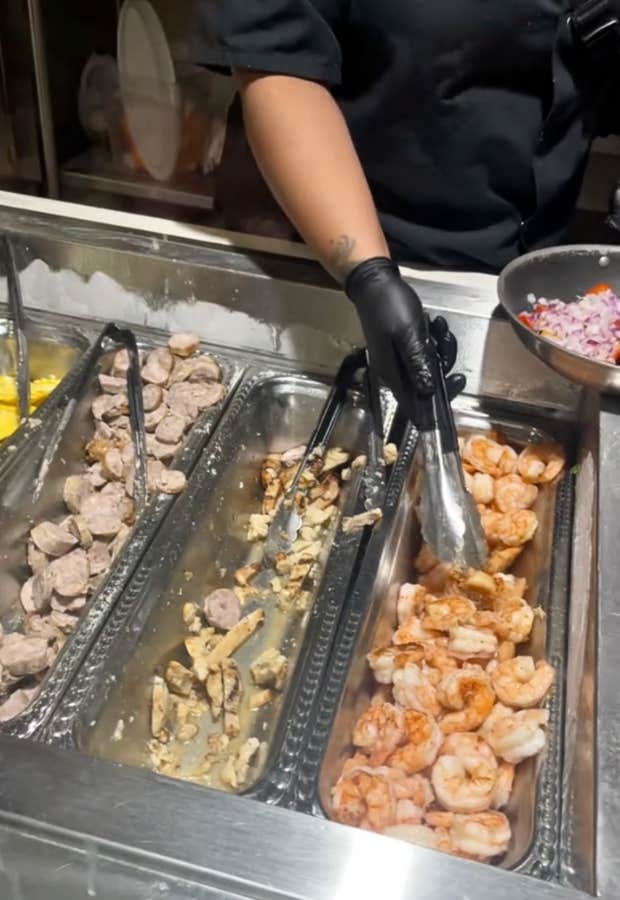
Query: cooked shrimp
x=514 y=736
x=509 y=587
x=506 y=650
x=469 y=693
x=424 y=561
x=510 y=493
x=522 y=683
x=465 y=775
x=479 y=585
x=424 y=739
x=412 y=689
x=511 y=529
x=503 y=786
x=412 y=631
x=423 y=835
x=540 y=463
x=481 y=835
x=443 y=613
x=502 y=558
x=480 y=486
x=413 y=795
x=467 y=642
x=486 y=455
x=514 y=620
x=385 y=660
x=410 y=601
x=438 y=659
x=379 y=730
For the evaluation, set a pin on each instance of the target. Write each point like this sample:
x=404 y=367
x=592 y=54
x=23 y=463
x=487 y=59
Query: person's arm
x=305 y=152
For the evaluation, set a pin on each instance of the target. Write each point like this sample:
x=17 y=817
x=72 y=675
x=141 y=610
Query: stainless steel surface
x=46 y=122
x=80 y=174
x=449 y=520
x=18 y=319
x=534 y=808
x=565 y=273
x=204 y=537
x=71 y=825
x=31 y=490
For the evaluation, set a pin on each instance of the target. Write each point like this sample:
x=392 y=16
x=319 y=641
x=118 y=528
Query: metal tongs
x=449 y=519
x=18 y=317
x=136 y=412
x=286 y=522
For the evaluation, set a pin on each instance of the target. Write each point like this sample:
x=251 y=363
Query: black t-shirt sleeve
x=289 y=37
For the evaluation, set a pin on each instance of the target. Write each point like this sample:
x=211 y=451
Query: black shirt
x=469 y=116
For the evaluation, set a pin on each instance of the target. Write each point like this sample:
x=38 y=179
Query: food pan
x=31 y=490
x=106 y=712
x=534 y=808
x=53 y=351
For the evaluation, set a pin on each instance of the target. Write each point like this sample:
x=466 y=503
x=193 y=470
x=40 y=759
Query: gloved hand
x=398 y=332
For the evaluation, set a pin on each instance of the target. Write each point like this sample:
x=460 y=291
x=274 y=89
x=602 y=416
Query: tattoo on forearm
x=341 y=257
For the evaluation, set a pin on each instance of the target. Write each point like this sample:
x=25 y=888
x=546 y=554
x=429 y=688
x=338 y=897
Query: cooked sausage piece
x=171 y=481
x=112 y=384
x=99 y=558
x=152 y=397
x=112 y=464
x=153 y=418
x=71 y=574
x=222 y=609
x=102 y=515
x=75 y=491
x=198 y=368
x=37 y=560
x=21 y=655
x=158 y=366
x=183 y=344
x=170 y=429
x=17 y=702
x=52 y=539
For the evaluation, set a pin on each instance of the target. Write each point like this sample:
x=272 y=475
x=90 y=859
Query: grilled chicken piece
x=334 y=458
x=258 y=527
x=390 y=454
x=76 y=489
x=361 y=520
x=152 y=397
x=160 y=706
x=112 y=384
x=191 y=617
x=271 y=495
x=233 y=690
x=171 y=428
x=70 y=574
x=235 y=772
x=270 y=469
x=293 y=456
x=183 y=344
x=214 y=685
x=269 y=669
x=21 y=655
x=158 y=366
x=52 y=539
x=171 y=481
x=318 y=514
x=199 y=648
x=261 y=698
x=244 y=574
x=179 y=679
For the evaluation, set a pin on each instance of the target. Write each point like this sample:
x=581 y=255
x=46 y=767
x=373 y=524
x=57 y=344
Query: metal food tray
x=21 y=462
x=204 y=536
x=53 y=350
x=534 y=808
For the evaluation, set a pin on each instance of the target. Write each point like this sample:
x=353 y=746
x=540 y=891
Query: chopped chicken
x=261 y=698
x=269 y=669
x=361 y=520
x=233 y=690
x=258 y=527
x=245 y=574
x=334 y=459
x=317 y=514
x=178 y=678
x=237 y=636
x=160 y=706
x=117 y=734
x=235 y=772
x=359 y=462
x=214 y=685
x=191 y=617
x=390 y=454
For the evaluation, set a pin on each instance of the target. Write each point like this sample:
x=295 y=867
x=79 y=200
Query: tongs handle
x=16 y=313
x=435 y=413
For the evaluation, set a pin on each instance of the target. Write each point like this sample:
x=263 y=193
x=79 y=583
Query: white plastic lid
x=149 y=90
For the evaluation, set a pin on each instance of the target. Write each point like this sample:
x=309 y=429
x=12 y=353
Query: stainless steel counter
x=72 y=826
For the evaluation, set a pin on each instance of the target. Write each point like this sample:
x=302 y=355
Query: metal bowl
x=564 y=272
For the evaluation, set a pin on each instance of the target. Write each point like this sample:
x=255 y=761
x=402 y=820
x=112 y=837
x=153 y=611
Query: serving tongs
x=111 y=333
x=18 y=318
x=449 y=520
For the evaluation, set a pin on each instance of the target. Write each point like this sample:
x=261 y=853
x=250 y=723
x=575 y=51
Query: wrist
x=370 y=274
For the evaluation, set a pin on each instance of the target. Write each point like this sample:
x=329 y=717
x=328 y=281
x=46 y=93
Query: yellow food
x=40 y=388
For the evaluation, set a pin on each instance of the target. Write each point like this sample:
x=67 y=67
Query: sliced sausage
x=170 y=429
x=183 y=344
x=152 y=419
x=171 y=481
x=102 y=515
x=112 y=464
x=152 y=397
x=71 y=574
x=112 y=384
x=52 y=539
x=99 y=558
x=23 y=655
x=75 y=491
x=222 y=609
x=158 y=366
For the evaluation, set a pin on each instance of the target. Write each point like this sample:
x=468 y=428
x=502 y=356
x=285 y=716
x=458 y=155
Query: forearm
x=304 y=150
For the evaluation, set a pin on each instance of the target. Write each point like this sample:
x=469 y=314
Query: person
x=453 y=133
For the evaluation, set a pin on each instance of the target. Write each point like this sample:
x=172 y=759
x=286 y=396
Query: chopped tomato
x=616 y=354
x=599 y=288
x=525 y=319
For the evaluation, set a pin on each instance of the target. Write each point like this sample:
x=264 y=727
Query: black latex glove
x=397 y=332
